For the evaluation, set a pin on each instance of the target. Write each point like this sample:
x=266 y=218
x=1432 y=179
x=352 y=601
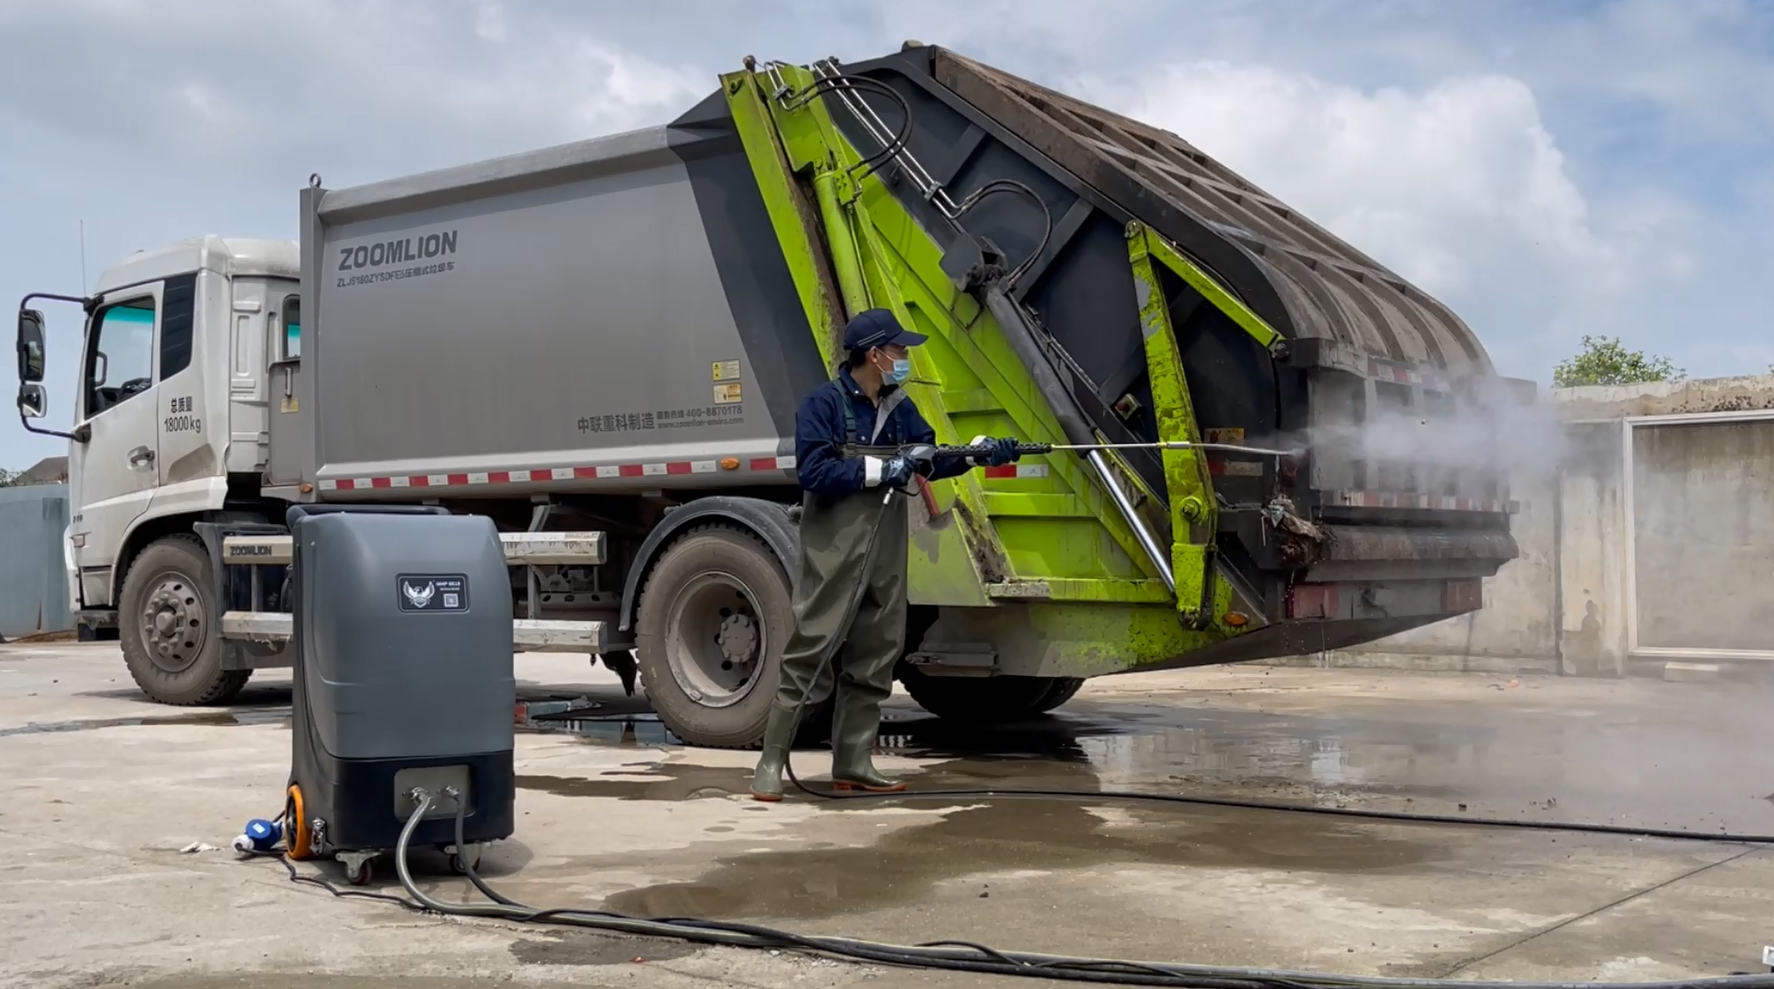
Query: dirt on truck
x=602 y=346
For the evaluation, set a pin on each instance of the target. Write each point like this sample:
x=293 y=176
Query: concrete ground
x=100 y=791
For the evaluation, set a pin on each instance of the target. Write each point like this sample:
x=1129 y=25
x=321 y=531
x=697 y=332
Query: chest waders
x=849 y=607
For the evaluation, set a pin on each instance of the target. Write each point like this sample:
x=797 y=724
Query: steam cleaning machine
x=403 y=683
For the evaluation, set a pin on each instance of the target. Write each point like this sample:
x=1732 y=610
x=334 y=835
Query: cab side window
x=120 y=354
x=178 y=301
x=291 y=347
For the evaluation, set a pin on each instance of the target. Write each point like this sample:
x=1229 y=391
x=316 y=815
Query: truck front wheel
x=169 y=624
x=983 y=700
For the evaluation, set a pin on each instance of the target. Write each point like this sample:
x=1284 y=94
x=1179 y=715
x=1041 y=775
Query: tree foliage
x=1606 y=361
x=9 y=477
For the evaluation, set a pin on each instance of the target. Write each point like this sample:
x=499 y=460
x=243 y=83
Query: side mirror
x=33 y=401
x=30 y=346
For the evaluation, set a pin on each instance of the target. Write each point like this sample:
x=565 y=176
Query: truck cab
x=171 y=403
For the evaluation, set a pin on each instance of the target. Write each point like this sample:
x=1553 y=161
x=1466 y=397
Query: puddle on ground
x=644 y=732
x=259 y=716
x=580 y=949
x=1145 y=746
x=665 y=782
x=904 y=865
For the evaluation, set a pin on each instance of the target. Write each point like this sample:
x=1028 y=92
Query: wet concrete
x=902 y=868
x=1701 y=761
x=614 y=813
x=274 y=716
x=280 y=980
x=573 y=948
x=648 y=781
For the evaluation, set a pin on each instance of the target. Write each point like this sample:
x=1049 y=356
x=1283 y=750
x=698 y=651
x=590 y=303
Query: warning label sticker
x=726 y=370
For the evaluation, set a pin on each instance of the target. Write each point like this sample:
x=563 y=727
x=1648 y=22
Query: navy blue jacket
x=820 y=464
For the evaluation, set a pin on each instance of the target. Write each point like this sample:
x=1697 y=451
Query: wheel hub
x=717 y=643
x=738 y=638
x=173 y=622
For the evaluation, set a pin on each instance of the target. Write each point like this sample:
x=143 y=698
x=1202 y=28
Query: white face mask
x=901 y=370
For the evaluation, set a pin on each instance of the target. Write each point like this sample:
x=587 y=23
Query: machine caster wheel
x=358 y=866
x=461 y=862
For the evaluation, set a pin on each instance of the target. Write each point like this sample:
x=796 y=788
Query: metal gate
x=34 y=592
x=1699 y=507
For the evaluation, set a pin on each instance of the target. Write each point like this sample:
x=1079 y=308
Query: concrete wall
x=33 y=573
x=1627 y=572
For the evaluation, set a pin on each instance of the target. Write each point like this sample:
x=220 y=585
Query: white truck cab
x=171 y=402
x=188 y=352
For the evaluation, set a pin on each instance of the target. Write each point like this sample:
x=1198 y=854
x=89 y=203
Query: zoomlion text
x=397 y=251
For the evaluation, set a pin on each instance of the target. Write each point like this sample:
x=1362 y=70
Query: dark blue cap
x=878 y=328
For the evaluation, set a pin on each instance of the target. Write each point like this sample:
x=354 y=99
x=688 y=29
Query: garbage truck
x=602 y=345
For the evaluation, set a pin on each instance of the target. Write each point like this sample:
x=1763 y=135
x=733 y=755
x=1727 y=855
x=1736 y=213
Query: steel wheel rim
x=174 y=622
x=716 y=640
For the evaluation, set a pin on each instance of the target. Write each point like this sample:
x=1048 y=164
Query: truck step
x=527 y=634
x=532 y=549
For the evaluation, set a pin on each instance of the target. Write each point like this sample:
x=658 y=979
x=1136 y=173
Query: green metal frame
x=1053 y=550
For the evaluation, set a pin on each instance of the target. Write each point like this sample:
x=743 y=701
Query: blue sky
x=1547 y=168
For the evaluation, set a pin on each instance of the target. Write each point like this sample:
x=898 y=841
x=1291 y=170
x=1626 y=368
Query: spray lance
x=922 y=454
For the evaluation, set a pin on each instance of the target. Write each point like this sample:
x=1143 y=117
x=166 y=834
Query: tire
x=984 y=700
x=1063 y=690
x=710 y=628
x=169 y=589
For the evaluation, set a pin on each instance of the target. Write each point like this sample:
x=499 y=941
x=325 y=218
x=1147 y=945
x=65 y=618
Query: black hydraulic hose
x=892 y=148
x=1011 y=185
x=969 y=957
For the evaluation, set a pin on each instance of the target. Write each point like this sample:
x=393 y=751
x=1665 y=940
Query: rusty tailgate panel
x=1304 y=280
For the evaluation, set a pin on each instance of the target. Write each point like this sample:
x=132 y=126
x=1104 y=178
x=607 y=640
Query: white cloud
x=1548 y=170
x=1458 y=186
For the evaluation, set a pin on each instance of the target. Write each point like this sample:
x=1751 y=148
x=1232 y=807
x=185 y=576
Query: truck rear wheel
x=169 y=625
x=1063 y=690
x=984 y=700
x=710 y=628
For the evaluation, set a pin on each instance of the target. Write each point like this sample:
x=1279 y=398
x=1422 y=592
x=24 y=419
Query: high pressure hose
x=960 y=955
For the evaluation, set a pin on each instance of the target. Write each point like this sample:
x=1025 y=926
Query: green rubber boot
x=853 y=741
x=779 y=731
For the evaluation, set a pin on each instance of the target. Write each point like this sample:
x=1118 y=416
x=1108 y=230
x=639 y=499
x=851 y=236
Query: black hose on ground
x=966 y=956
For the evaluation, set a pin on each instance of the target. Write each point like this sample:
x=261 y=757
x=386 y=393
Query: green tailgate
x=1046 y=548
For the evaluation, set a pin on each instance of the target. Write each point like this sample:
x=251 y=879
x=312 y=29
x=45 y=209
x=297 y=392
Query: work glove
x=1002 y=450
x=896 y=473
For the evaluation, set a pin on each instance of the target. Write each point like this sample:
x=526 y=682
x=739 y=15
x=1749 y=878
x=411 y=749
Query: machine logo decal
x=419 y=596
x=433 y=592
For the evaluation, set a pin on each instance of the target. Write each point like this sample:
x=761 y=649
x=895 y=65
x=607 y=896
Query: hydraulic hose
x=966 y=956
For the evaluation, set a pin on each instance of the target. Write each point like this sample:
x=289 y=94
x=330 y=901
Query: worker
x=846 y=432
